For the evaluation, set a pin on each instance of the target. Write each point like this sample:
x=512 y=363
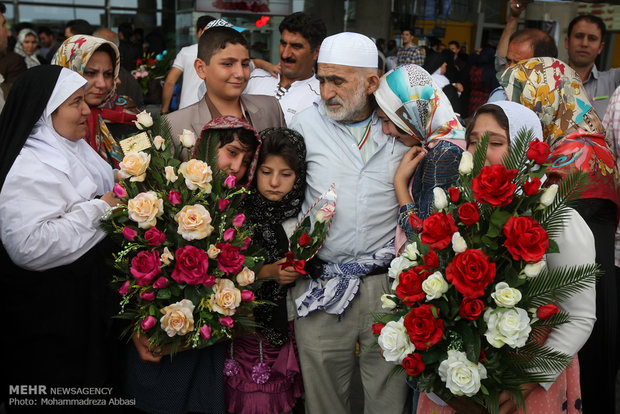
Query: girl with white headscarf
x=26 y=46
x=54 y=189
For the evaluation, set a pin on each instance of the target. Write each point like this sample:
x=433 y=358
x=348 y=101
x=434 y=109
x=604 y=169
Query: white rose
x=197 y=175
x=534 y=269
x=439 y=198
x=434 y=286
x=167 y=257
x=187 y=138
x=467 y=163
x=549 y=195
x=143 y=120
x=194 y=222
x=395 y=343
x=178 y=318
x=170 y=175
x=213 y=252
x=145 y=208
x=245 y=277
x=459 y=245
x=505 y=296
x=411 y=251
x=325 y=213
x=134 y=165
x=462 y=377
x=159 y=143
x=386 y=301
x=397 y=266
x=507 y=326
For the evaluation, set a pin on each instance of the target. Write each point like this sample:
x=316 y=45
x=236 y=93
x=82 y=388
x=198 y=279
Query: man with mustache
x=346 y=146
x=296 y=87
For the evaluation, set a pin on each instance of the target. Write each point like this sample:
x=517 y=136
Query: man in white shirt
x=346 y=146
x=296 y=88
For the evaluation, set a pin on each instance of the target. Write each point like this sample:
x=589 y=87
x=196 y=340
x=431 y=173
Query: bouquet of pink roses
x=472 y=301
x=185 y=270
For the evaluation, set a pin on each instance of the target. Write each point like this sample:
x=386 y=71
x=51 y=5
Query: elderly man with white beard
x=346 y=146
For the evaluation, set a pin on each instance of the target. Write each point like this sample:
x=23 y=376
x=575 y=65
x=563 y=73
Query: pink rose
x=160 y=283
x=154 y=236
x=227 y=321
x=129 y=233
x=191 y=266
x=229 y=260
x=145 y=266
x=124 y=289
x=222 y=204
x=205 y=332
x=174 y=197
x=119 y=191
x=229 y=234
x=149 y=296
x=230 y=181
x=148 y=322
x=209 y=280
x=246 y=243
x=247 y=295
x=239 y=220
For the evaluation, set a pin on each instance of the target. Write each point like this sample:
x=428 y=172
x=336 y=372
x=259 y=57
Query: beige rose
x=197 y=175
x=187 y=138
x=245 y=277
x=145 y=208
x=194 y=222
x=167 y=257
x=143 y=120
x=178 y=318
x=170 y=175
x=213 y=252
x=225 y=298
x=134 y=165
x=159 y=143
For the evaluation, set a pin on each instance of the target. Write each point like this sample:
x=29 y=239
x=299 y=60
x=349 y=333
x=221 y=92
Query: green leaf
x=164 y=293
x=553 y=247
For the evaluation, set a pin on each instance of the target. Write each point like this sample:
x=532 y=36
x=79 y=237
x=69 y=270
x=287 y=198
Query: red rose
x=494 y=185
x=409 y=287
x=415 y=222
x=413 y=364
x=547 y=311
x=229 y=260
x=454 y=194
x=471 y=272
x=304 y=240
x=154 y=236
x=538 y=151
x=530 y=187
x=145 y=266
x=423 y=328
x=471 y=309
x=525 y=239
x=377 y=327
x=431 y=260
x=174 y=197
x=191 y=265
x=437 y=230
x=469 y=214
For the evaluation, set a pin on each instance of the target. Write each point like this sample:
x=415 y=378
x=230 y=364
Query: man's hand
x=518 y=6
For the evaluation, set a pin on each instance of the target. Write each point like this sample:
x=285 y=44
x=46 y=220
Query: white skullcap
x=349 y=49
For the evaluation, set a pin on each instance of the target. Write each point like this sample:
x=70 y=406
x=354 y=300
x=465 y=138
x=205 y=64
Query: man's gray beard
x=351 y=113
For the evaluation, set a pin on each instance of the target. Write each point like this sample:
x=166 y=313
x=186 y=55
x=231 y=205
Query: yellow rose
x=145 y=208
x=245 y=277
x=194 y=222
x=170 y=175
x=159 y=143
x=134 y=165
x=197 y=175
x=213 y=252
x=178 y=318
x=225 y=298
x=167 y=257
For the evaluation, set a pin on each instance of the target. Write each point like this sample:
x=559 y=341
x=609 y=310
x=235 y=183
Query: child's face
x=389 y=128
x=234 y=158
x=275 y=178
x=498 y=139
x=227 y=73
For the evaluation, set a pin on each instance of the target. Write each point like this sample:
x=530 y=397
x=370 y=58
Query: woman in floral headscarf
x=415 y=111
x=99 y=61
x=577 y=138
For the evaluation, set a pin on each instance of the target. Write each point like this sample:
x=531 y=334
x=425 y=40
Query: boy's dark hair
x=80 y=26
x=217 y=38
x=126 y=29
x=589 y=18
x=203 y=21
x=245 y=136
x=276 y=142
x=497 y=113
x=455 y=43
x=407 y=29
x=311 y=28
x=542 y=43
x=2 y=8
x=46 y=30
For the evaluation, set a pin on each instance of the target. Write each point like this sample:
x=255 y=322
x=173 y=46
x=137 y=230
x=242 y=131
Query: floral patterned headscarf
x=554 y=91
x=413 y=101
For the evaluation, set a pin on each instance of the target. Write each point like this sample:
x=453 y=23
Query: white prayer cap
x=349 y=49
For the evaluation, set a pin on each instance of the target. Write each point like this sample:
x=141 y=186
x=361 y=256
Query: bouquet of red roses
x=185 y=267
x=472 y=297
